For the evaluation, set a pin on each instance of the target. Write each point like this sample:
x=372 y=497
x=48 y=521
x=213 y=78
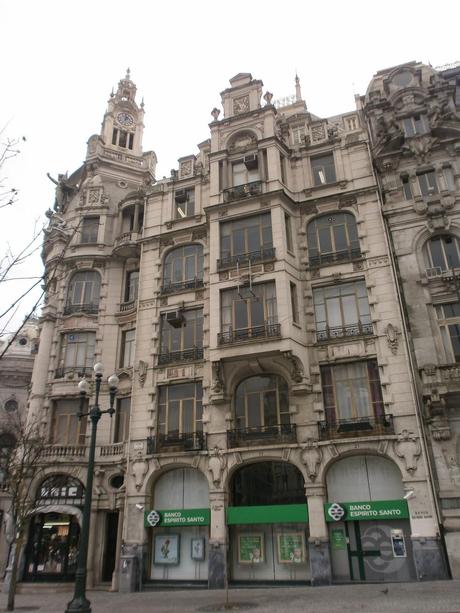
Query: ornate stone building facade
x=413 y=116
x=267 y=426
x=15 y=378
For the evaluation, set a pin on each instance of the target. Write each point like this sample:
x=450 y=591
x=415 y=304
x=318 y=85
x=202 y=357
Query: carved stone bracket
x=311 y=456
x=408 y=447
x=391 y=333
x=216 y=465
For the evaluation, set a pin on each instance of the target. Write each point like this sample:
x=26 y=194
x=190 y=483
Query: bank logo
x=336 y=511
x=153 y=518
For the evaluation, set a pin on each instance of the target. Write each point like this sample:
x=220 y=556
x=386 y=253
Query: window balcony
x=76 y=371
x=243 y=259
x=243 y=191
x=187 y=355
x=89 y=309
x=262 y=435
x=346 y=255
x=187 y=441
x=64 y=451
x=126 y=244
x=360 y=426
x=358 y=329
x=190 y=284
x=249 y=334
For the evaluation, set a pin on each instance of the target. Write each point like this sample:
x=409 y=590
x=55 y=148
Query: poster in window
x=291 y=548
x=251 y=548
x=197 y=549
x=167 y=549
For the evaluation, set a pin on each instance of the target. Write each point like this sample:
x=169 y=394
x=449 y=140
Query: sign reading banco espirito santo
x=177 y=517
x=358 y=511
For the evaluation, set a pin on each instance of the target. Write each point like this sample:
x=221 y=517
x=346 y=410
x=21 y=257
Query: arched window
x=7 y=445
x=443 y=252
x=183 y=269
x=261 y=409
x=83 y=293
x=332 y=238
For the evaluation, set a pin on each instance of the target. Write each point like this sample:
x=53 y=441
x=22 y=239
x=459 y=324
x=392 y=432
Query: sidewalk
x=430 y=597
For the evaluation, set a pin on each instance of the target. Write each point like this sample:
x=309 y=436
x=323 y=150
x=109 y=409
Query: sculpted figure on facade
x=216 y=465
x=139 y=469
x=311 y=458
x=409 y=449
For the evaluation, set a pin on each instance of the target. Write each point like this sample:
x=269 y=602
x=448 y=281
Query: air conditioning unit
x=250 y=161
x=175 y=318
x=181 y=196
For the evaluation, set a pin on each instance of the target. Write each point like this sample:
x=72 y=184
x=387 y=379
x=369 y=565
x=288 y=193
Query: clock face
x=125 y=119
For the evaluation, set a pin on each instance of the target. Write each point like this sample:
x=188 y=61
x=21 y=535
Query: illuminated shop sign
x=177 y=517
x=358 y=511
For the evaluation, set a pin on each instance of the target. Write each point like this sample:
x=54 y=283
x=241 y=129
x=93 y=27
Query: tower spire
x=298 y=93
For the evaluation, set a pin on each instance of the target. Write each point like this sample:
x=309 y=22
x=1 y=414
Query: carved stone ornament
x=215 y=113
x=420 y=147
x=216 y=465
x=268 y=97
x=139 y=469
x=409 y=449
x=296 y=366
x=57 y=225
x=99 y=481
x=186 y=168
x=217 y=379
x=311 y=456
x=242 y=142
x=142 y=372
x=453 y=468
x=391 y=333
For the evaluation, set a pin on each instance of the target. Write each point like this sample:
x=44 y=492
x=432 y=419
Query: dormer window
x=184 y=202
x=416 y=124
x=122 y=138
x=298 y=135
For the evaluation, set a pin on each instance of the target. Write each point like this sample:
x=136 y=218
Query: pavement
x=426 y=597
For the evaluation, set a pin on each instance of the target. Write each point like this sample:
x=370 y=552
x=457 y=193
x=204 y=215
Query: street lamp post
x=80 y=603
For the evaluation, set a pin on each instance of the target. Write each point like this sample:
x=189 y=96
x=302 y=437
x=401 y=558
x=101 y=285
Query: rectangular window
x=181 y=340
x=114 y=136
x=128 y=339
x=351 y=391
x=130 y=140
x=449 y=323
x=406 y=187
x=352 y=123
x=414 y=125
x=184 y=203
x=427 y=182
x=449 y=178
x=245 y=171
x=342 y=310
x=77 y=352
x=123 y=139
x=294 y=302
x=249 y=312
x=180 y=409
x=68 y=429
x=250 y=237
x=122 y=414
x=298 y=135
x=287 y=226
x=132 y=285
x=89 y=229
x=323 y=169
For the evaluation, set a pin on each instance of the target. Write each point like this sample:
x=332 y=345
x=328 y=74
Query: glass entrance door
x=52 y=549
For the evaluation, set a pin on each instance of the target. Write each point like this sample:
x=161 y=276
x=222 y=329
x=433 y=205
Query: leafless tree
x=23 y=448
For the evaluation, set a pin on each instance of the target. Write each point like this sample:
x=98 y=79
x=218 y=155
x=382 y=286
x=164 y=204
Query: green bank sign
x=175 y=517
x=358 y=511
x=269 y=514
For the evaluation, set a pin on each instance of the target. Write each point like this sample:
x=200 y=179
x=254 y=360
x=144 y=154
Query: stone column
x=318 y=540
x=136 y=218
x=42 y=363
x=116 y=568
x=217 y=571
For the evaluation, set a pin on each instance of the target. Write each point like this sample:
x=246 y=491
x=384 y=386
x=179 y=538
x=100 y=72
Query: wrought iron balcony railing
x=345 y=255
x=257 y=435
x=173 y=441
x=366 y=426
x=171 y=288
x=78 y=371
x=262 y=255
x=91 y=309
x=330 y=333
x=254 y=188
x=249 y=334
x=186 y=355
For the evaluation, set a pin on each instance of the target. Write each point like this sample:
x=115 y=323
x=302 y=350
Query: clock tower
x=122 y=125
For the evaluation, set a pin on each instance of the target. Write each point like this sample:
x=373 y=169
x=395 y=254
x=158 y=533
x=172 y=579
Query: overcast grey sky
x=61 y=59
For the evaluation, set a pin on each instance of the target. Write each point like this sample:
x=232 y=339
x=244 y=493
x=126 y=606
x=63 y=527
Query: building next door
x=368 y=519
x=268 y=524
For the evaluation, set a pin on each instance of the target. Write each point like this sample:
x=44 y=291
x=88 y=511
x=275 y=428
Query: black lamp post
x=80 y=603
